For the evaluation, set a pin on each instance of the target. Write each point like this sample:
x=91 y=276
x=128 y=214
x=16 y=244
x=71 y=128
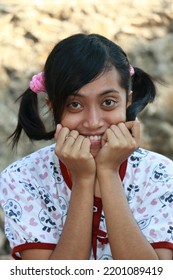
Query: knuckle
x=56 y=152
x=134 y=145
x=64 y=154
x=84 y=157
x=74 y=155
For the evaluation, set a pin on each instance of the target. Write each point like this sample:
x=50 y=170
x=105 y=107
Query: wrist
x=104 y=172
x=104 y=175
x=84 y=183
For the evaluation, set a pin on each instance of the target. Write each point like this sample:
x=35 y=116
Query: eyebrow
x=101 y=94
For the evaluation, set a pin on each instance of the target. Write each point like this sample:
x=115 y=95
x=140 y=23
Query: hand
x=118 y=142
x=74 y=151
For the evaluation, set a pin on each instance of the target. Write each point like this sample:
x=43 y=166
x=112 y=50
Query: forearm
x=125 y=238
x=75 y=241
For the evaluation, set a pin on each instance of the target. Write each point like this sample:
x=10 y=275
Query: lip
x=95 y=140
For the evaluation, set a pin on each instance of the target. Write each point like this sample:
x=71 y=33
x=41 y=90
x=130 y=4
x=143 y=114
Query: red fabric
x=66 y=174
x=26 y=246
x=164 y=244
x=48 y=246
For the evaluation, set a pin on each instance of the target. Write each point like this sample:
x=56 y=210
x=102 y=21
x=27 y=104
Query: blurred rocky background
x=29 y=30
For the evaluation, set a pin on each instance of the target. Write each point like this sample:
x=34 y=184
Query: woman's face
x=95 y=107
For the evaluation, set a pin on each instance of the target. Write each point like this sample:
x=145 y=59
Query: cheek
x=70 y=121
x=117 y=117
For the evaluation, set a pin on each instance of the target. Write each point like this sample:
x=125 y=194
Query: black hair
x=74 y=62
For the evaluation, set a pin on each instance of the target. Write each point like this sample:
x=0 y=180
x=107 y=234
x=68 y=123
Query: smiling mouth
x=94 y=137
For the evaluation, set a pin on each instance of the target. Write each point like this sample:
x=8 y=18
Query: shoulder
x=34 y=198
x=146 y=157
x=33 y=178
x=151 y=165
x=36 y=158
x=38 y=168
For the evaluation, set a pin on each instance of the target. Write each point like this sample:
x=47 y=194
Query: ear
x=48 y=102
x=129 y=98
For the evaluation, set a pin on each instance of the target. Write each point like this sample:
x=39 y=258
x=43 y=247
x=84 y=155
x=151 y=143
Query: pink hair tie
x=132 y=70
x=37 y=84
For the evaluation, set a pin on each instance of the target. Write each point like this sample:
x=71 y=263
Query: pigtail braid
x=29 y=120
x=143 y=92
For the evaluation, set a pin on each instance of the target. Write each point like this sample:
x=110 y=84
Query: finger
x=120 y=132
x=129 y=124
x=134 y=127
x=109 y=137
x=86 y=144
x=72 y=135
x=61 y=135
x=125 y=131
x=70 y=139
x=58 y=128
x=78 y=143
x=115 y=133
x=136 y=131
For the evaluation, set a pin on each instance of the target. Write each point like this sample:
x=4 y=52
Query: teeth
x=95 y=137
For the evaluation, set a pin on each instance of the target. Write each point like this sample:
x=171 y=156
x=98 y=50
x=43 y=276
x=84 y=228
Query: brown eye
x=109 y=103
x=74 y=106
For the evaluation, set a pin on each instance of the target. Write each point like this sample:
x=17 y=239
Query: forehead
x=107 y=80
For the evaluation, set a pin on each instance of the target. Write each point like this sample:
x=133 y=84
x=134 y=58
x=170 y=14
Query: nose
x=93 y=119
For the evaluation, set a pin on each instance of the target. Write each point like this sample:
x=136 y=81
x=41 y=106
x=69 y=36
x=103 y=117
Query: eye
x=109 y=103
x=74 y=106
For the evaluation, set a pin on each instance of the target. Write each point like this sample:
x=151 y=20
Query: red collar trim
x=66 y=174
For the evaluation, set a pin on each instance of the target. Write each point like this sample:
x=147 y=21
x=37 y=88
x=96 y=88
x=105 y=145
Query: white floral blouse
x=35 y=193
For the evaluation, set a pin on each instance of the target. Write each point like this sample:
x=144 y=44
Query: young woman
x=94 y=194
